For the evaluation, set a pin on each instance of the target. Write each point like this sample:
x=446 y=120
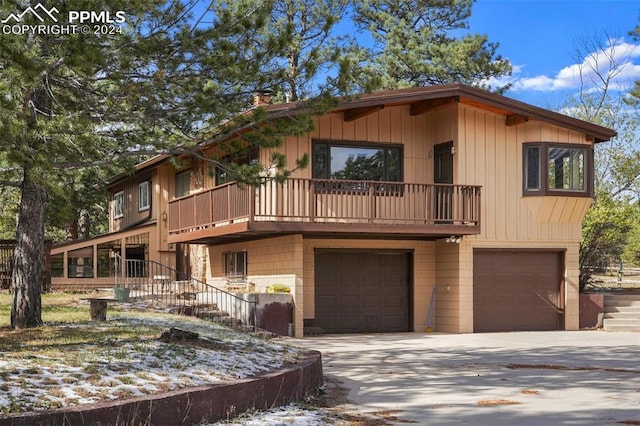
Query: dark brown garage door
x=358 y=292
x=517 y=290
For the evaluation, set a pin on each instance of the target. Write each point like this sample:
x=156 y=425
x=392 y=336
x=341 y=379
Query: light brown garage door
x=517 y=290
x=357 y=292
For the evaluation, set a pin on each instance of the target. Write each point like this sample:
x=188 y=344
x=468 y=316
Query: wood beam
x=355 y=113
x=421 y=107
x=516 y=119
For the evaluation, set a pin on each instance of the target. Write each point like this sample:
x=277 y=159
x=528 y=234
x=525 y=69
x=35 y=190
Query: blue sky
x=538 y=37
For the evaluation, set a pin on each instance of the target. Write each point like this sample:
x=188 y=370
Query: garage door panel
x=362 y=292
x=346 y=303
x=517 y=290
x=349 y=322
x=372 y=303
x=394 y=302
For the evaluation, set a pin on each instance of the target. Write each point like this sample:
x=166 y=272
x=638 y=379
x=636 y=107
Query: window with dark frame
x=183 y=183
x=225 y=175
x=357 y=161
x=235 y=265
x=557 y=169
x=80 y=263
x=57 y=265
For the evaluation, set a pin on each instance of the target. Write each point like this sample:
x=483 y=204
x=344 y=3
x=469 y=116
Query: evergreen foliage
x=424 y=42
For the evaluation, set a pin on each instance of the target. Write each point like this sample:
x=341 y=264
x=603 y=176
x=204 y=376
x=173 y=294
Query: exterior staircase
x=163 y=288
x=621 y=312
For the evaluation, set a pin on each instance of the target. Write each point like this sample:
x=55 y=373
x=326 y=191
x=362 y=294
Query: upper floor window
x=357 y=161
x=183 y=183
x=144 y=196
x=118 y=204
x=557 y=169
x=225 y=174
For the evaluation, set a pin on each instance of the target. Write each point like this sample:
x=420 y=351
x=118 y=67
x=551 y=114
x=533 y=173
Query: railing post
x=372 y=202
x=479 y=206
x=228 y=191
x=312 y=201
x=251 y=200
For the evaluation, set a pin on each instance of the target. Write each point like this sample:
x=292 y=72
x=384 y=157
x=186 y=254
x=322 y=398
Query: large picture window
x=355 y=161
x=557 y=169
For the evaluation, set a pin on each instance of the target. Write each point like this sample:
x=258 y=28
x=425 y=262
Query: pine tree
x=421 y=42
x=162 y=81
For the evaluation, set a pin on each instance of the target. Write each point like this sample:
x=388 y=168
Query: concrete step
x=623 y=315
x=621 y=324
x=621 y=301
x=629 y=309
x=620 y=327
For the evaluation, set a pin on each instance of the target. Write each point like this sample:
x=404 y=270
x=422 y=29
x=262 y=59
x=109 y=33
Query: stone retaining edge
x=208 y=403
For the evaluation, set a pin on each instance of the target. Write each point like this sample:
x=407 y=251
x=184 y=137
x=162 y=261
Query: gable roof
x=423 y=99
x=428 y=98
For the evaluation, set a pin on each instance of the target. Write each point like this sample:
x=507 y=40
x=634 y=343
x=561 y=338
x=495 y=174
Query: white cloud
x=620 y=58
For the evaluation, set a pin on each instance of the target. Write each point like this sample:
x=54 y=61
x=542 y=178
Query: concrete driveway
x=523 y=378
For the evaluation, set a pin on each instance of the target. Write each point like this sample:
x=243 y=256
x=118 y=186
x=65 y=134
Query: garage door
x=358 y=292
x=517 y=290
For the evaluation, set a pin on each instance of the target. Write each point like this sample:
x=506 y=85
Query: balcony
x=326 y=207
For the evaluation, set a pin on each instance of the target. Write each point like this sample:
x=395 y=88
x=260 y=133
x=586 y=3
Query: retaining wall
x=191 y=406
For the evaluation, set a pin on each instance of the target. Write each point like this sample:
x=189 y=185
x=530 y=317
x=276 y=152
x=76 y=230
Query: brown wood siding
x=517 y=290
x=489 y=154
x=132 y=214
x=393 y=124
x=362 y=291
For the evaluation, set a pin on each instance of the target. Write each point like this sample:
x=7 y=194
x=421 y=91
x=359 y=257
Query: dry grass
x=56 y=308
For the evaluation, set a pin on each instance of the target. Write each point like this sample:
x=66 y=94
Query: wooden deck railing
x=328 y=201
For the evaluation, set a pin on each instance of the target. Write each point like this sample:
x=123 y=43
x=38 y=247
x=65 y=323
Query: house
x=447 y=207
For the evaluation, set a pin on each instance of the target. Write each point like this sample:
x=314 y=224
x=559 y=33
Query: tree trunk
x=71 y=231
x=26 y=278
x=84 y=224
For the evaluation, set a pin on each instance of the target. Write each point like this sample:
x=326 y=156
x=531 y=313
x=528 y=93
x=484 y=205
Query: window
x=106 y=259
x=183 y=183
x=144 y=196
x=222 y=176
x=226 y=174
x=235 y=265
x=566 y=169
x=557 y=169
x=80 y=263
x=357 y=161
x=118 y=204
x=57 y=265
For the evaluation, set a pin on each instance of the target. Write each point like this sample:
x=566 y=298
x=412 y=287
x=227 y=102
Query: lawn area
x=56 y=308
x=72 y=361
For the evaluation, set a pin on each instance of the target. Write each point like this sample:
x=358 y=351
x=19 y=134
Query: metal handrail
x=173 y=291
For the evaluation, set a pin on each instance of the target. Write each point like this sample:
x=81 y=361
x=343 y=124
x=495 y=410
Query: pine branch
x=77 y=165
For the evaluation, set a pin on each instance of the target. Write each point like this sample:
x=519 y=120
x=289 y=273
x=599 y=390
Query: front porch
x=329 y=207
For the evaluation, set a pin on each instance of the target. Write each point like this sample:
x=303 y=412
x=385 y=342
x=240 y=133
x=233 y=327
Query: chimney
x=262 y=98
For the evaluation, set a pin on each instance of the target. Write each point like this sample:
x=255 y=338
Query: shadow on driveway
x=519 y=378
